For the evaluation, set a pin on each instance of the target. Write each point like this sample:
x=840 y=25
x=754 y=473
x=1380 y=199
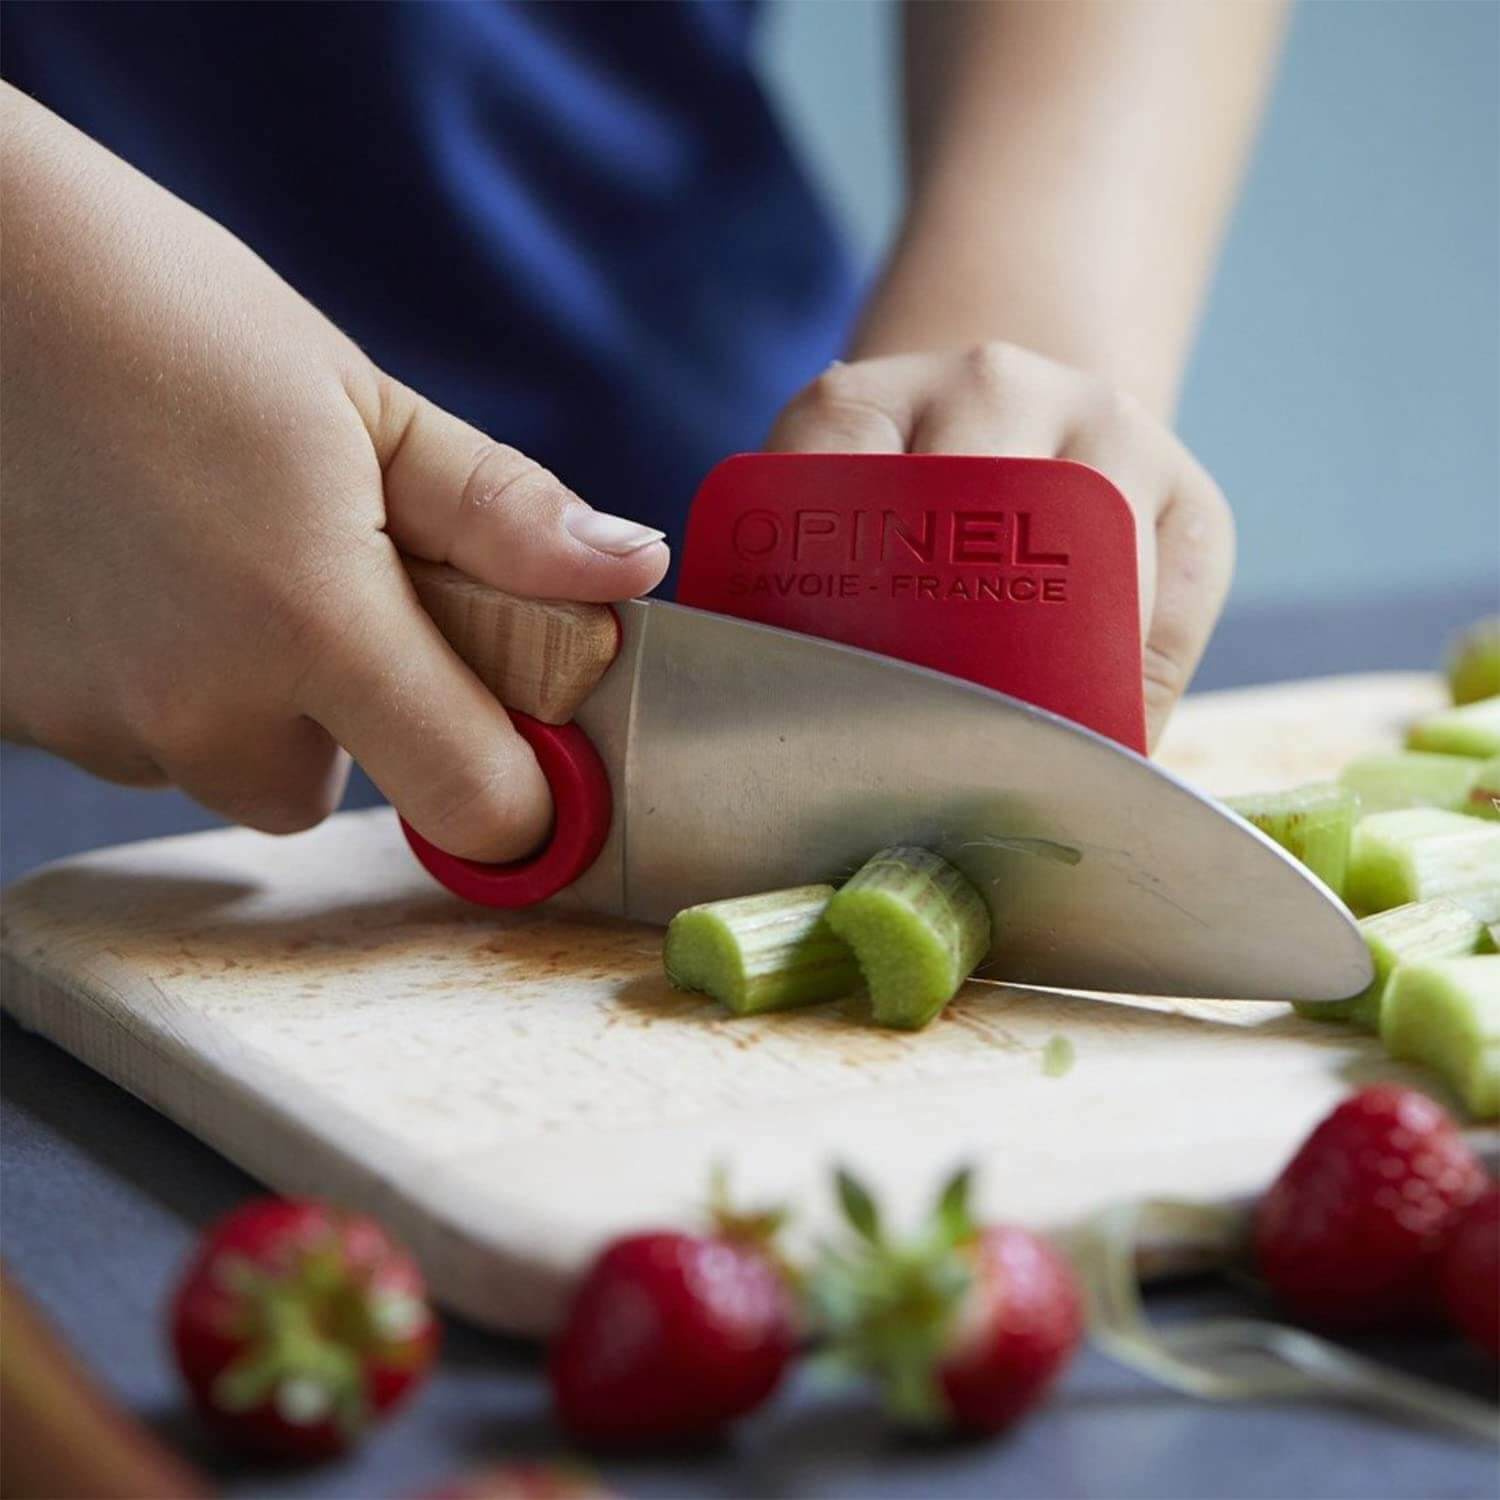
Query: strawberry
x=673 y=1336
x=1347 y=1236
x=525 y=1481
x=1469 y=1272
x=297 y=1326
x=964 y=1327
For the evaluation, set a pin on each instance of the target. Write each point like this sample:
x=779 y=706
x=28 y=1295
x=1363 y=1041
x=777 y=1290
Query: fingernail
x=612 y=534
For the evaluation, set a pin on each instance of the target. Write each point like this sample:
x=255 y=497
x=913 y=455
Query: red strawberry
x=1469 y=1272
x=296 y=1326
x=965 y=1327
x=1348 y=1234
x=673 y=1336
x=1022 y=1325
x=525 y=1481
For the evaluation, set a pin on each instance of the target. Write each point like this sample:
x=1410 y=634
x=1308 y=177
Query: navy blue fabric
x=576 y=225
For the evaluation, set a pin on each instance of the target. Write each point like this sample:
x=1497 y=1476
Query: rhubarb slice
x=1422 y=852
x=759 y=953
x=918 y=929
x=1414 y=933
x=1389 y=780
x=1484 y=795
x=1474 y=662
x=1473 y=729
x=1446 y=1013
x=1312 y=823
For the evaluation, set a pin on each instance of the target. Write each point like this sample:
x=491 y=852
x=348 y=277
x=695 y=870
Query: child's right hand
x=205 y=487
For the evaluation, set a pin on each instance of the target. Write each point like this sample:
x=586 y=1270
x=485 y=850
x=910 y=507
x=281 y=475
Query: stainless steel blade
x=746 y=758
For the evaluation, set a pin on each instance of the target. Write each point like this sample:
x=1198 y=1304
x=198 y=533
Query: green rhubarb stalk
x=918 y=929
x=1446 y=1014
x=1419 y=853
x=1394 y=779
x=1482 y=899
x=1472 y=729
x=1474 y=662
x=1312 y=823
x=1414 y=933
x=759 y=953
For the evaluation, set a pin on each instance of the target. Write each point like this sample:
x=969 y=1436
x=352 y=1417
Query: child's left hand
x=1001 y=399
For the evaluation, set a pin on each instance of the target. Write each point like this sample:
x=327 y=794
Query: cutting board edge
x=481 y=1279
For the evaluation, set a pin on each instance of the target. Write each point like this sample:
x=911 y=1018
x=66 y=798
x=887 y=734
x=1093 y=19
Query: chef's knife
x=710 y=757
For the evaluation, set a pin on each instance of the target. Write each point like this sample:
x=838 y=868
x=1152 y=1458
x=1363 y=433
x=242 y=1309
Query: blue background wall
x=1346 y=387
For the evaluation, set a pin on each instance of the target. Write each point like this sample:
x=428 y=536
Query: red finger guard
x=1015 y=573
x=581 y=810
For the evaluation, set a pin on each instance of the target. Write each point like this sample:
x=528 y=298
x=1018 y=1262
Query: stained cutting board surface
x=507 y=1090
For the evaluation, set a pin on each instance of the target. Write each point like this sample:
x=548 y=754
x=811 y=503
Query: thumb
x=454 y=495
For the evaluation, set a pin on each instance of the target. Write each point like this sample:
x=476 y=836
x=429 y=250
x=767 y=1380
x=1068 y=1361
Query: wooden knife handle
x=540 y=656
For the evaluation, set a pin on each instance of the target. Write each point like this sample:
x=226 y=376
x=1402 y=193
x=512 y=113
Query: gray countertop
x=102 y=1199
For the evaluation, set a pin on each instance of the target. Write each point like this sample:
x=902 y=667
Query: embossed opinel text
x=978 y=556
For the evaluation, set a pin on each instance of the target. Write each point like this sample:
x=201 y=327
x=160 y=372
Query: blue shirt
x=578 y=226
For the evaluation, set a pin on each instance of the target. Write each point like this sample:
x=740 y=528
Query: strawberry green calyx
x=297 y=1325
x=758 y=1229
x=308 y=1335
x=759 y=1226
x=890 y=1310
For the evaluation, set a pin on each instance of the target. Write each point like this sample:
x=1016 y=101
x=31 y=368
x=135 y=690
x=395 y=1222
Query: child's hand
x=205 y=485
x=1001 y=399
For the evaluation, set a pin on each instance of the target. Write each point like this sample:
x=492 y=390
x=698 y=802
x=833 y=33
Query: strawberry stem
x=888 y=1310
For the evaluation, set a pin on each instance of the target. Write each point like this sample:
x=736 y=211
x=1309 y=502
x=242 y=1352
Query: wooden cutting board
x=505 y=1091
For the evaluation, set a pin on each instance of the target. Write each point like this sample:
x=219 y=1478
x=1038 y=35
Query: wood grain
x=541 y=656
x=507 y=1090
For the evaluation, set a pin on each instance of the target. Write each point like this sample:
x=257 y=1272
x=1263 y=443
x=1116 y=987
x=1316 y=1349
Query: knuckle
x=837 y=387
x=839 y=403
x=1165 y=674
x=995 y=366
x=1109 y=419
x=465 y=807
x=504 y=478
x=1116 y=411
